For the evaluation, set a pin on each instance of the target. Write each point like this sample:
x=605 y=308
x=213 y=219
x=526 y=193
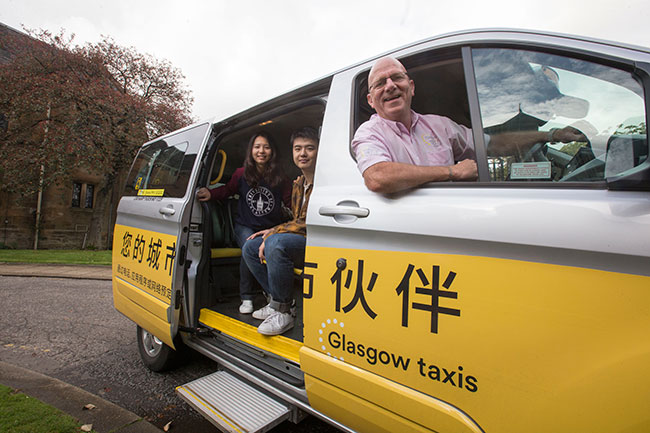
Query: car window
x=439 y=83
x=160 y=169
x=524 y=91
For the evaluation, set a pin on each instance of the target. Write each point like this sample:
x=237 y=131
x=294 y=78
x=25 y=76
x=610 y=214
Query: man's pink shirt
x=433 y=141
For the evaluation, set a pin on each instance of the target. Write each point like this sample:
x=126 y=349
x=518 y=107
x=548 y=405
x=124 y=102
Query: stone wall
x=62 y=225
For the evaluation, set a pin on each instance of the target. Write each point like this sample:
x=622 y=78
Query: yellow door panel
x=358 y=414
x=340 y=385
x=142 y=278
x=124 y=296
x=137 y=296
x=517 y=346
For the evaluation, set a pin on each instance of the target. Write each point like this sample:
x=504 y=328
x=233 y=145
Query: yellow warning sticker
x=151 y=192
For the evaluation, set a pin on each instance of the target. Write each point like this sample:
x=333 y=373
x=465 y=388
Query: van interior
x=217 y=303
x=218 y=300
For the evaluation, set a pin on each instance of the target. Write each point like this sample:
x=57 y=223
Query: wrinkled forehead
x=385 y=66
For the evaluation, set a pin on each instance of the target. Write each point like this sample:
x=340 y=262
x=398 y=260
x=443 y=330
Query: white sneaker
x=276 y=324
x=246 y=306
x=264 y=312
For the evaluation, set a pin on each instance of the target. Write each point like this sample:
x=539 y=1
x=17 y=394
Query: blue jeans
x=283 y=252
x=247 y=288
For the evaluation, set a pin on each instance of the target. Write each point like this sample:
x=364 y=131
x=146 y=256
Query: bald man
x=398 y=149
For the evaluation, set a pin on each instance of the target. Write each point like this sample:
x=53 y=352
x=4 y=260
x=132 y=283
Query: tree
x=154 y=84
x=68 y=107
x=639 y=128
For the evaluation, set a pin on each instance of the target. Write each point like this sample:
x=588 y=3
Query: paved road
x=68 y=329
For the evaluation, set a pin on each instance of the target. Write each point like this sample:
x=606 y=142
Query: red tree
x=67 y=107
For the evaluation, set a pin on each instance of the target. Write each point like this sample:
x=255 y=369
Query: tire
x=155 y=354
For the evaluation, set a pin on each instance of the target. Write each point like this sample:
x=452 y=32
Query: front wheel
x=155 y=354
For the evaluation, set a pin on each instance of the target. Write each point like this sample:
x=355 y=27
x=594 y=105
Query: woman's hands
x=203 y=194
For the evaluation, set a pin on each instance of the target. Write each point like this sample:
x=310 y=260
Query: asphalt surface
x=42 y=322
x=105 y=416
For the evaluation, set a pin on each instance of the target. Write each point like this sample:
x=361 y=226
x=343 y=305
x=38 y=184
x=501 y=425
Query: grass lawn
x=76 y=257
x=22 y=414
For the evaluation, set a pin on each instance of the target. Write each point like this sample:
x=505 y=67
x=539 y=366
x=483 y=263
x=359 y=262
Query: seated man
x=283 y=246
x=399 y=149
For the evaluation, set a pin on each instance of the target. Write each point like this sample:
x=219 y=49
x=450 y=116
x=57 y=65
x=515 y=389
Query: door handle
x=359 y=212
x=167 y=211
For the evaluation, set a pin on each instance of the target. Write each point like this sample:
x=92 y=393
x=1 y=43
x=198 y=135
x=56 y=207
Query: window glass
x=554 y=118
x=90 y=196
x=160 y=170
x=76 y=194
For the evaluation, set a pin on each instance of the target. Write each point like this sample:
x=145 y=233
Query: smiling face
x=304 y=154
x=261 y=151
x=391 y=91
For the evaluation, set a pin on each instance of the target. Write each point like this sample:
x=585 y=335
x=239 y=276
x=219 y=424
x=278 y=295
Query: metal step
x=232 y=405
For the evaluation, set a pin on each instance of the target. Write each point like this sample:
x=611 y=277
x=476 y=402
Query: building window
x=85 y=190
x=76 y=194
x=90 y=195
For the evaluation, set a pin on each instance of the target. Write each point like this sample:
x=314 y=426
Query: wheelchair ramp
x=232 y=405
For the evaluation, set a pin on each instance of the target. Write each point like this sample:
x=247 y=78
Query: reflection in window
x=523 y=91
x=162 y=167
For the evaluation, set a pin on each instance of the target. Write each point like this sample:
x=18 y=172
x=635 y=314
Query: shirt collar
x=398 y=127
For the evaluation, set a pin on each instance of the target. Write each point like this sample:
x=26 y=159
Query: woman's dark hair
x=272 y=173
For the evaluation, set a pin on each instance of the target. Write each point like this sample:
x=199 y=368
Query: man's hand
x=256 y=234
x=203 y=194
x=568 y=134
x=464 y=170
x=260 y=253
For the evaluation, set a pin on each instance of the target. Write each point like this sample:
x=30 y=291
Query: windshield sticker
x=151 y=192
x=530 y=170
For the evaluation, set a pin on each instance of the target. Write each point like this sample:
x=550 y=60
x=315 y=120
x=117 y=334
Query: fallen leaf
x=89 y=406
x=86 y=427
x=167 y=426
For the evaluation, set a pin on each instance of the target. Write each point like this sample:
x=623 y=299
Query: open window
x=439 y=86
x=525 y=91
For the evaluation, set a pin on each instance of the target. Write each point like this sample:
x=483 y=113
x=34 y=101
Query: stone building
x=74 y=214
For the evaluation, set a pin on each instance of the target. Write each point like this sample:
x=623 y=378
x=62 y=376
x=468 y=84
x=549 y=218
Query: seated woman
x=262 y=188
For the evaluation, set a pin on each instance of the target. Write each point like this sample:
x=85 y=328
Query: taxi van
x=519 y=302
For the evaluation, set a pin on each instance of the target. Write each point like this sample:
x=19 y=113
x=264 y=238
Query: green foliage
x=22 y=414
x=639 y=128
x=69 y=257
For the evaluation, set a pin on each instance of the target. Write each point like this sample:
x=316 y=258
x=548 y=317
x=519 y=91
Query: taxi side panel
x=525 y=309
x=509 y=343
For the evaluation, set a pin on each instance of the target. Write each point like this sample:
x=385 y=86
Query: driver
x=398 y=149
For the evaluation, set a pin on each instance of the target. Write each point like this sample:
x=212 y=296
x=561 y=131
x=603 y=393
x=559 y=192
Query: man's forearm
x=504 y=143
x=388 y=177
